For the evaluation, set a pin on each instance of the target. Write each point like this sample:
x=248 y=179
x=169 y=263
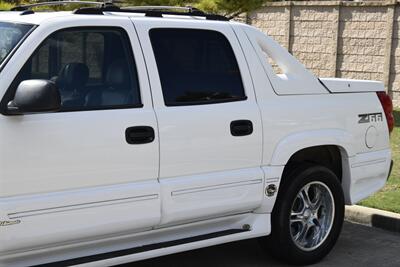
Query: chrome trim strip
x=29 y=213
x=215 y=187
x=369 y=162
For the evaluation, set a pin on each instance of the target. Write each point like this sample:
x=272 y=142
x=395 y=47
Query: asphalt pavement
x=358 y=245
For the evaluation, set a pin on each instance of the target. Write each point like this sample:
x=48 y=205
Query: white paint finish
x=292 y=123
x=197 y=139
x=70 y=216
x=337 y=85
x=37 y=18
x=369 y=172
x=54 y=152
x=187 y=198
x=298 y=141
x=260 y=225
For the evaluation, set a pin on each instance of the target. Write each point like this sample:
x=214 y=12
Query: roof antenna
x=107 y=3
x=193 y=10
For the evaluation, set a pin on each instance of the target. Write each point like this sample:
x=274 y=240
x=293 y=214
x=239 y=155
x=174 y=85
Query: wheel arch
x=329 y=148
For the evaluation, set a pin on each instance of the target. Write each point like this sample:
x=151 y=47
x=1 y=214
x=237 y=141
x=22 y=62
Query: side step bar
x=146 y=248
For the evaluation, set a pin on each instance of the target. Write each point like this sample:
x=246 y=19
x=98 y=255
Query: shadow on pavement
x=357 y=246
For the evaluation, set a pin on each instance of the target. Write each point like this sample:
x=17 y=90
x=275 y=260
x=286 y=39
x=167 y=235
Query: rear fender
x=293 y=143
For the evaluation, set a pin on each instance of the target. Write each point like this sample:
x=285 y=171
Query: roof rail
x=184 y=8
x=151 y=11
x=108 y=6
x=56 y=3
x=188 y=9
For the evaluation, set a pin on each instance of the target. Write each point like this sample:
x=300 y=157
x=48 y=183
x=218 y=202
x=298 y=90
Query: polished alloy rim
x=311 y=216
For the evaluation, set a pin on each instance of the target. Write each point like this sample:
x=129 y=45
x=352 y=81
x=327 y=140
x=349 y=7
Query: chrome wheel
x=312 y=216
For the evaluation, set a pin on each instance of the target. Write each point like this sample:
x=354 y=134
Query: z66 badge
x=372 y=117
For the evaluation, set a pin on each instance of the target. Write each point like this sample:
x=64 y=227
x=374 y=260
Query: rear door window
x=196 y=67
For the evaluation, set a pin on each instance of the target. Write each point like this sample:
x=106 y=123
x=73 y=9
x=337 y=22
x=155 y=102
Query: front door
x=90 y=170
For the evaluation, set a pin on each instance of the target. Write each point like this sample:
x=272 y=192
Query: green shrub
x=5 y=5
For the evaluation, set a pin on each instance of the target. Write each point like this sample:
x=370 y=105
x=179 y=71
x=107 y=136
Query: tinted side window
x=196 y=67
x=92 y=67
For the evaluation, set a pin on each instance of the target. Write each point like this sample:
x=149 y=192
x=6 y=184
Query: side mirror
x=34 y=96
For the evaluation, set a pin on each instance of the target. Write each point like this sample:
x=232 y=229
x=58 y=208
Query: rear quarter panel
x=292 y=122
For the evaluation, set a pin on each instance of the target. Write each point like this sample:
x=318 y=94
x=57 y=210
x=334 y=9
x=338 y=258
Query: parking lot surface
x=358 y=246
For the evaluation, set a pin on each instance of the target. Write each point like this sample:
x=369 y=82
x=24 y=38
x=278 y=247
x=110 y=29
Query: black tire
x=280 y=243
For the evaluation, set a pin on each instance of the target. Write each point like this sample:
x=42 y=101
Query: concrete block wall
x=356 y=40
x=313 y=37
x=394 y=82
x=361 y=42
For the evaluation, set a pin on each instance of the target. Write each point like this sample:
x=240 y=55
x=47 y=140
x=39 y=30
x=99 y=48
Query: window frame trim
x=10 y=91
x=203 y=102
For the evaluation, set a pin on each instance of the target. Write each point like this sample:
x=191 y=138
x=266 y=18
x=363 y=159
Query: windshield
x=10 y=35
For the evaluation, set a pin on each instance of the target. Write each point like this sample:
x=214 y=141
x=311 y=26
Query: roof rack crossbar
x=56 y=3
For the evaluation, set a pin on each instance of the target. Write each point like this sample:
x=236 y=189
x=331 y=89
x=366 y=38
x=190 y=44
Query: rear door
x=89 y=171
x=209 y=123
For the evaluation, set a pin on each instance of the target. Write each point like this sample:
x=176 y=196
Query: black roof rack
x=108 y=6
x=150 y=11
x=56 y=3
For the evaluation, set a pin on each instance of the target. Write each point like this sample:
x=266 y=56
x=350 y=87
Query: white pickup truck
x=132 y=133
